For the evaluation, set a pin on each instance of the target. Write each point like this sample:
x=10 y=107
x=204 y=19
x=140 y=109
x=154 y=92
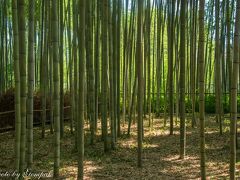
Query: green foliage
x=158 y=106
x=210 y=104
x=188 y=105
x=226 y=104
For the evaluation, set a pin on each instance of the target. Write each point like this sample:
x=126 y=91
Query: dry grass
x=160 y=154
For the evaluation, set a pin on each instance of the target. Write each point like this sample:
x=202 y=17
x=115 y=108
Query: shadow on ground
x=160 y=155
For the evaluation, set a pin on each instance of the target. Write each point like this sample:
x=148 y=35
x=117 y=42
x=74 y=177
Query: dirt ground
x=160 y=154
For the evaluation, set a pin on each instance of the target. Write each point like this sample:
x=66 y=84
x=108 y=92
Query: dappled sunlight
x=130 y=145
x=175 y=158
x=71 y=171
x=147 y=145
x=160 y=154
x=91 y=166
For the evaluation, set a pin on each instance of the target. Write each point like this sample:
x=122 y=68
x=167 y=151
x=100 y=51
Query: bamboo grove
x=122 y=62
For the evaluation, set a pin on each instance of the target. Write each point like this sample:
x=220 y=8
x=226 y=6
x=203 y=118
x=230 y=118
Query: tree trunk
x=61 y=30
x=201 y=88
x=217 y=70
x=234 y=82
x=23 y=78
x=31 y=65
x=182 y=80
x=56 y=85
x=139 y=69
x=104 y=82
x=82 y=65
x=17 y=85
x=90 y=70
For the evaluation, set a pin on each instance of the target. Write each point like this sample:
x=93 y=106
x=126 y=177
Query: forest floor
x=160 y=154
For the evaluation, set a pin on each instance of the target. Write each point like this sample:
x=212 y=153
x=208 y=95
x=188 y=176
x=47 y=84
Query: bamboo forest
x=120 y=89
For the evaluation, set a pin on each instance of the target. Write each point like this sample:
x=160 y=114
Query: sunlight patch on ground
x=177 y=159
x=160 y=154
x=70 y=172
x=129 y=143
x=90 y=167
x=147 y=145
